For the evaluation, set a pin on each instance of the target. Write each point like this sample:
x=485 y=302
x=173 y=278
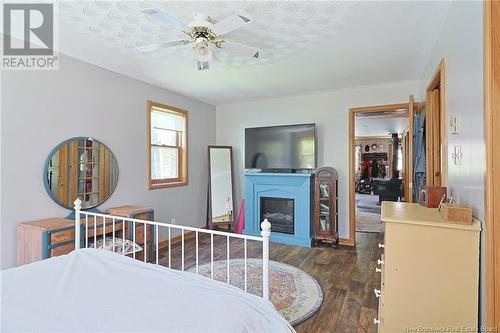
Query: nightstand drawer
x=143 y=216
x=139 y=234
x=138 y=213
x=63 y=249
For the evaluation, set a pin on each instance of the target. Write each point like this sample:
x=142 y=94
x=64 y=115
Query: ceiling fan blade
x=240 y=49
x=167 y=19
x=230 y=23
x=159 y=46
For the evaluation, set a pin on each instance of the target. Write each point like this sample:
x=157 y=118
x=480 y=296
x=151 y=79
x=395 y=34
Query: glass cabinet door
x=324 y=207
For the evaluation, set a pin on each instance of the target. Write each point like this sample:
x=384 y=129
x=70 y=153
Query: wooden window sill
x=155 y=186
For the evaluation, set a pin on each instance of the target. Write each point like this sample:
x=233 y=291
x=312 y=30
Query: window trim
x=183 y=150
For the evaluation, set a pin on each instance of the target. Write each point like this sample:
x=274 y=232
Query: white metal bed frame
x=265 y=233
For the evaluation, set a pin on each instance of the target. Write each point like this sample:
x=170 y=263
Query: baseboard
x=190 y=234
x=346 y=241
x=177 y=239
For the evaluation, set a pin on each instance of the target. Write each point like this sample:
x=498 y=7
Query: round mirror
x=80 y=168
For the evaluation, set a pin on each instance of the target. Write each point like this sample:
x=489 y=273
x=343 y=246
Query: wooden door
x=103 y=175
x=62 y=190
x=433 y=138
x=75 y=158
x=436 y=138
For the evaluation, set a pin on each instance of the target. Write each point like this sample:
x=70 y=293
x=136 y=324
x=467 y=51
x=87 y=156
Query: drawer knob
x=378 y=270
x=377 y=292
x=381 y=246
x=376 y=321
x=380 y=262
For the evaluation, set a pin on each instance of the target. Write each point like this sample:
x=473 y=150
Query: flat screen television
x=290 y=147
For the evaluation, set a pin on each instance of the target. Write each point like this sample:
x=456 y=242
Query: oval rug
x=293 y=292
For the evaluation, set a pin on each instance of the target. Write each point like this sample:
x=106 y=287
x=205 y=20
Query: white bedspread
x=100 y=291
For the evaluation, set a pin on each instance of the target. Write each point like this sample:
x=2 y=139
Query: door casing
x=492 y=179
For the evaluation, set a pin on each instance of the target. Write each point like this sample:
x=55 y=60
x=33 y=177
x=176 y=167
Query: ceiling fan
x=205 y=36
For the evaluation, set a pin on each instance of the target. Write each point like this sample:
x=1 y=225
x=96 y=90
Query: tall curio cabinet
x=326 y=206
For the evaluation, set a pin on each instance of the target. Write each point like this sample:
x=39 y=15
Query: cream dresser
x=430 y=271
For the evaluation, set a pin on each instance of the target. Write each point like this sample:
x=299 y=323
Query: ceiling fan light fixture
x=202 y=66
x=205 y=36
x=202 y=51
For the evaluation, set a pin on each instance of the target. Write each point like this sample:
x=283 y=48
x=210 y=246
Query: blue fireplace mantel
x=296 y=186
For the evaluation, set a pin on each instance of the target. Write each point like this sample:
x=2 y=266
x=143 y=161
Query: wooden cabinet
x=145 y=240
x=430 y=271
x=326 y=206
x=42 y=239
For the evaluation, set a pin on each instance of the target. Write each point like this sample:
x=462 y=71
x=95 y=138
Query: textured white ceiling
x=380 y=127
x=304 y=45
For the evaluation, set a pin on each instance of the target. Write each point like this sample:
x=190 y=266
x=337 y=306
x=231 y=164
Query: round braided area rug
x=293 y=292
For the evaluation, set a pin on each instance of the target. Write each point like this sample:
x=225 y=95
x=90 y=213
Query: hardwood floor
x=347 y=276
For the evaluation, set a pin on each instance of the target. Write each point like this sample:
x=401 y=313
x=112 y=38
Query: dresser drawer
x=379 y=321
x=63 y=249
x=62 y=236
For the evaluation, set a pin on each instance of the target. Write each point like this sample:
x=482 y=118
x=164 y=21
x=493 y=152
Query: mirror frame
x=46 y=170
x=210 y=224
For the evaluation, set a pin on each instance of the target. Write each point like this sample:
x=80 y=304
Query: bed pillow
x=130 y=247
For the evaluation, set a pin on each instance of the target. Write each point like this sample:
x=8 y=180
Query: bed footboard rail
x=86 y=223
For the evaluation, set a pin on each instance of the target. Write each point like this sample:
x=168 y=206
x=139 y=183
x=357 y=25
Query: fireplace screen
x=279 y=212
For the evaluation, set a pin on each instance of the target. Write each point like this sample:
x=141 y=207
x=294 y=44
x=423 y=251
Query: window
x=167 y=136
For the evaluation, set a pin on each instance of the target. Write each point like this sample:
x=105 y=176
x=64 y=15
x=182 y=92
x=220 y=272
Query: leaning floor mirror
x=220 y=210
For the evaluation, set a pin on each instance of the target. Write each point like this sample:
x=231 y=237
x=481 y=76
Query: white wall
x=328 y=109
x=42 y=108
x=460 y=42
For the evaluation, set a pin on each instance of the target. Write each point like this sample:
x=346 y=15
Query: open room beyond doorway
x=380 y=148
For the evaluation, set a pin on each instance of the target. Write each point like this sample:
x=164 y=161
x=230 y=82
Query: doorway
x=380 y=162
